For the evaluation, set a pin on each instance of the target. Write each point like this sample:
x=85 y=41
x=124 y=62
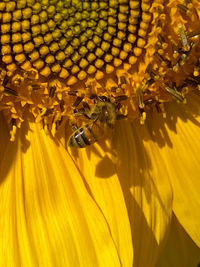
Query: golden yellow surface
x=133 y=199
x=80 y=48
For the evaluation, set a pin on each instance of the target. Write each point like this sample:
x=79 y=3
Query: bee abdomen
x=84 y=136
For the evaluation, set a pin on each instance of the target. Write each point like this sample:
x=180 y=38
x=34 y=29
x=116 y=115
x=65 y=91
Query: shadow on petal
x=103 y=169
x=180 y=250
x=4 y=143
x=102 y=183
x=183 y=164
x=147 y=190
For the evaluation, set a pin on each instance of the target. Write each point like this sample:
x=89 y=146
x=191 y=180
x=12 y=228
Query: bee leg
x=83 y=112
x=103 y=98
x=79 y=112
x=74 y=127
x=92 y=116
x=86 y=106
x=87 y=110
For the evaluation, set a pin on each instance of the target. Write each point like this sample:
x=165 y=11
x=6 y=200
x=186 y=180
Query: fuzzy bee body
x=103 y=116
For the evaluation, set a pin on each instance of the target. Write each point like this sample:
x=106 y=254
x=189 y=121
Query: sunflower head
x=58 y=57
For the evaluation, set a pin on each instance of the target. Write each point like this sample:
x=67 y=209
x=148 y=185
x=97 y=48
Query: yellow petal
x=180 y=250
x=181 y=149
x=103 y=184
x=47 y=217
x=146 y=187
x=4 y=136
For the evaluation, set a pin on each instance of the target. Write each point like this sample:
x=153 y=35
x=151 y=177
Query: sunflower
x=99 y=127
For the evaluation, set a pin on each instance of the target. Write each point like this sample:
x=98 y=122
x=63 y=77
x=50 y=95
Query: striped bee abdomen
x=86 y=135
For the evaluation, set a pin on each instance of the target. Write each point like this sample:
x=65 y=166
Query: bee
x=103 y=116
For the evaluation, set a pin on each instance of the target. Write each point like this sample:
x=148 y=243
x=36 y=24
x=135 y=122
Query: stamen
x=48 y=112
x=122 y=82
x=164 y=62
x=62 y=104
x=121 y=98
x=113 y=88
x=149 y=68
x=73 y=93
x=52 y=91
x=183 y=38
x=175 y=93
x=160 y=39
x=182 y=7
x=149 y=101
x=192 y=82
x=158 y=57
x=193 y=33
x=139 y=96
x=150 y=82
x=6 y=80
x=196 y=78
x=77 y=101
x=149 y=71
x=35 y=87
x=10 y=91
